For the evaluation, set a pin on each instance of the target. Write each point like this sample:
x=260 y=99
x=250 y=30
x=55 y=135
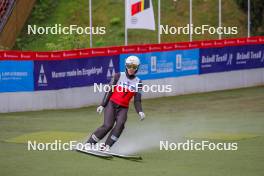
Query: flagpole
x=220 y=16
x=126 y=22
x=159 y=21
x=190 y=20
x=91 y=23
x=249 y=18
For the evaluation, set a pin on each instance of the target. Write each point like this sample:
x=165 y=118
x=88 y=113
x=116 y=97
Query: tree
x=257 y=15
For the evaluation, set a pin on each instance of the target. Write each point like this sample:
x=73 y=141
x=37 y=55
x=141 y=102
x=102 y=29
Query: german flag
x=140 y=6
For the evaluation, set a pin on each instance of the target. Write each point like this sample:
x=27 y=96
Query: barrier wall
x=64 y=79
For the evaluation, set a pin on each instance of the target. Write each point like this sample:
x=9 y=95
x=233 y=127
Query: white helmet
x=132 y=61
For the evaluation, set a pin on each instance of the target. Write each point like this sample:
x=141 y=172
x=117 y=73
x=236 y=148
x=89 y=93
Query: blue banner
x=16 y=76
x=165 y=64
x=231 y=58
x=53 y=75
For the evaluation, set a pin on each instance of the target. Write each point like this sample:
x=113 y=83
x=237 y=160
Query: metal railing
x=8 y=10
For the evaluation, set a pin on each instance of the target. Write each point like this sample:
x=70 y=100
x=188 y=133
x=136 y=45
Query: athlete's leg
x=121 y=118
x=109 y=120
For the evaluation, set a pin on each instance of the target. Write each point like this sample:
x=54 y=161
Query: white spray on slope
x=147 y=135
x=142 y=136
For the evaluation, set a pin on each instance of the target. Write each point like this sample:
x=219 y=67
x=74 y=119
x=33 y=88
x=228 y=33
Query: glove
x=141 y=116
x=100 y=109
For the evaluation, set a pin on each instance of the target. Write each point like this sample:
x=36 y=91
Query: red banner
x=116 y=50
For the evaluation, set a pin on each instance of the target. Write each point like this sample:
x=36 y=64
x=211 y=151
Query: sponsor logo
x=153 y=63
x=229 y=61
x=110 y=70
x=178 y=61
x=42 y=79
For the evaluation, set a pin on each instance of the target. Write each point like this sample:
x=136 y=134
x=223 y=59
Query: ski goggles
x=132 y=66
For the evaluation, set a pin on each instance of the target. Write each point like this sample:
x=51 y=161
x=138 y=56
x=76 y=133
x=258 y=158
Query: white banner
x=139 y=14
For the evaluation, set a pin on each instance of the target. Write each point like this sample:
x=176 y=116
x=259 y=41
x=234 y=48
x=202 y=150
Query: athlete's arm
x=109 y=93
x=137 y=98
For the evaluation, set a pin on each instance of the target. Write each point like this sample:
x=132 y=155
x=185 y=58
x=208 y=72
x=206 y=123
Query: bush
x=42 y=10
x=99 y=43
x=115 y=21
x=257 y=15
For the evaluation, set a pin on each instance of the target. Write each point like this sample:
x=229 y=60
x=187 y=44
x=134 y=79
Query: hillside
x=110 y=13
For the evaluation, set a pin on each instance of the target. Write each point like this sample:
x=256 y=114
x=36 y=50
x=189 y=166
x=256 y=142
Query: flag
x=139 y=14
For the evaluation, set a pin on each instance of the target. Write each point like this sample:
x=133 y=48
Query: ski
x=109 y=155
x=95 y=153
x=129 y=157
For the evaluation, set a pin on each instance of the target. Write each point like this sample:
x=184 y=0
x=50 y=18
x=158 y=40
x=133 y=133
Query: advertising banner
x=53 y=75
x=231 y=58
x=156 y=65
x=16 y=76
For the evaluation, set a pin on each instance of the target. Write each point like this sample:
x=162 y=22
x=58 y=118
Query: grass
x=107 y=11
x=223 y=116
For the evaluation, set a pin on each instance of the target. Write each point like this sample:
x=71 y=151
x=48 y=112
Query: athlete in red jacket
x=116 y=103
